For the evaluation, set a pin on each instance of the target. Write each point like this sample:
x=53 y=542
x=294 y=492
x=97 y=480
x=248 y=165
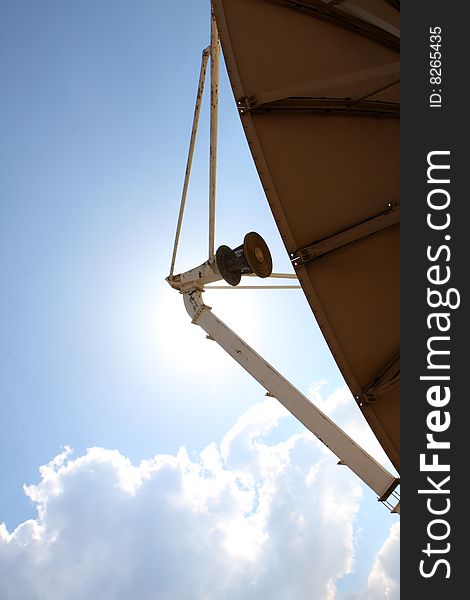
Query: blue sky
x=96 y=350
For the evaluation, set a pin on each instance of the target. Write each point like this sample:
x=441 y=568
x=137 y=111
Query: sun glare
x=183 y=345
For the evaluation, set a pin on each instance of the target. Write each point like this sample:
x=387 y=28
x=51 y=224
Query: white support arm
x=351 y=454
x=214 y=112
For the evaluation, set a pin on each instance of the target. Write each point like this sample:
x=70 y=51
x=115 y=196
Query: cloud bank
x=244 y=519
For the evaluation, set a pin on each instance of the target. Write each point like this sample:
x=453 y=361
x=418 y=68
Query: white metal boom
x=191 y=285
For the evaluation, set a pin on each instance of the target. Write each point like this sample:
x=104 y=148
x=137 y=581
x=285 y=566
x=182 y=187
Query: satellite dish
x=323 y=127
x=252 y=256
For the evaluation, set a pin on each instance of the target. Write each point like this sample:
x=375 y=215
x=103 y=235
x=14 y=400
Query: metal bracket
x=386 y=380
x=387 y=218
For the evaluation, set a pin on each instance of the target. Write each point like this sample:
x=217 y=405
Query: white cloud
x=384 y=578
x=328 y=404
x=385 y=575
x=245 y=519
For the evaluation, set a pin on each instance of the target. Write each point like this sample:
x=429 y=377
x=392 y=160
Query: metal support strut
x=189 y=162
x=345 y=448
x=215 y=51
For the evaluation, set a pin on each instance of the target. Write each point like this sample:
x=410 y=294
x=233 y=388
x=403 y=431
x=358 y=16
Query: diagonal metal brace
x=345 y=448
